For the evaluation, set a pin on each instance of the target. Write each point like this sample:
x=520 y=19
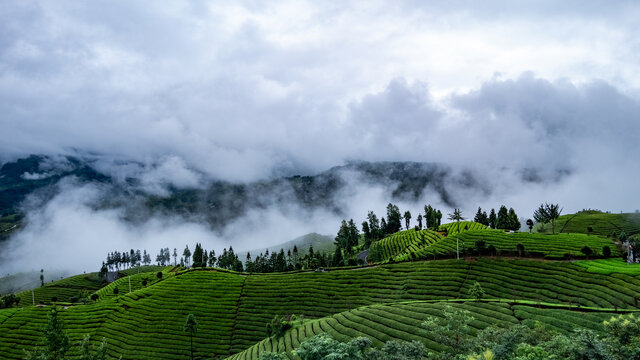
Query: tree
x=56 y=342
x=513 y=221
x=407 y=219
x=393 y=219
x=419 y=219
x=586 y=251
x=450 y=330
x=530 y=225
x=374 y=226
x=103 y=272
x=480 y=246
x=100 y=353
x=187 y=255
x=476 y=291
x=367 y=234
x=606 y=251
x=198 y=256
x=548 y=213
x=353 y=237
x=41 y=277
x=478 y=218
x=191 y=326
x=175 y=257
x=342 y=238
x=457 y=217
x=492 y=219
x=502 y=221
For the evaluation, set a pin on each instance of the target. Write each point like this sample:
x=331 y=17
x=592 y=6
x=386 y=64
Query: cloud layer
x=240 y=91
x=539 y=99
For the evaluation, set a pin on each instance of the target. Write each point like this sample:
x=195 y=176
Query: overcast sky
x=247 y=90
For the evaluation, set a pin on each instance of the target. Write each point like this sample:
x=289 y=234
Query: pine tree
x=374 y=226
x=407 y=219
x=393 y=219
x=478 y=217
x=502 y=221
x=191 y=326
x=197 y=256
x=353 y=238
x=492 y=219
x=419 y=219
x=514 y=222
x=367 y=234
x=186 y=254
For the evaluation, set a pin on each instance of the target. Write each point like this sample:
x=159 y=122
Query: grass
x=233 y=309
x=402 y=321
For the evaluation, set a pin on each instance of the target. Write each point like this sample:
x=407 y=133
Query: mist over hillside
x=80 y=208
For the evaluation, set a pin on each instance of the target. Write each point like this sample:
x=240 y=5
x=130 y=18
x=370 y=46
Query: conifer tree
x=407 y=219
x=492 y=219
x=502 y=221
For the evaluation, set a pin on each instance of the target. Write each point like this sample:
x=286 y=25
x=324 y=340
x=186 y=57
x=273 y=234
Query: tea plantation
x=549 y=246
x=402 y=244
x=402 y=321
x=597 y=223
x=233 y=309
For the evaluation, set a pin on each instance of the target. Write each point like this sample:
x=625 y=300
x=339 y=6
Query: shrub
x=606 y=251
x=520 y=249
x=278 y=326
x=159 y=275
x=116 y=291
x=586 y=251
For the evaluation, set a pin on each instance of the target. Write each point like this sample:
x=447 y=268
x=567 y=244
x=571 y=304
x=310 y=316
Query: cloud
x=242 y=91
x=537 y=100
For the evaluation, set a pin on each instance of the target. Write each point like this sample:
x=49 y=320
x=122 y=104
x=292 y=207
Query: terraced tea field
x=233 y=309
x=610 y=266
x=402 y=244
x=401 y=321
x=549 y=246
x=600 y=223
x=62 y=290
x=455 y=228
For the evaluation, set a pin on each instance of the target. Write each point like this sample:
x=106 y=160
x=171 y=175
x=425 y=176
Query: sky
x=247 y=90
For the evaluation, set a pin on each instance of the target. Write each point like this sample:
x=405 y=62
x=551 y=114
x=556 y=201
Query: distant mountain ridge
x=220 y=202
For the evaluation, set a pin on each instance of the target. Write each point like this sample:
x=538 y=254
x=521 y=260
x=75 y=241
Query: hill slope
x=603 y=224
x=233 y=309
x=402 y=321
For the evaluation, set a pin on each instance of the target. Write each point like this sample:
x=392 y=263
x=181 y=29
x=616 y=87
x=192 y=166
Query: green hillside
x=549 y=246
x=603 y=224
x=455 y=228
x=233 y=309
x=401 y=245
x=64 y=290
x=401 y=321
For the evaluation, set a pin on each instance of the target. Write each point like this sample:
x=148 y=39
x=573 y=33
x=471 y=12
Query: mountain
x=219 y=202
